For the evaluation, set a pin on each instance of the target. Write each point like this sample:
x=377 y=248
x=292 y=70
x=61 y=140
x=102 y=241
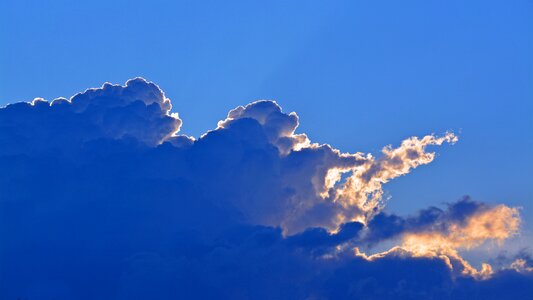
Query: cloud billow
x=101 y=197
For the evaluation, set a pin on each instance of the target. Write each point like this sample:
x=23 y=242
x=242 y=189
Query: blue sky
x=360 y=75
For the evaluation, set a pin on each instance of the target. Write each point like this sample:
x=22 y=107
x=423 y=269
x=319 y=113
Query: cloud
x=464 y=224
x=102 y=198
x=138 y=110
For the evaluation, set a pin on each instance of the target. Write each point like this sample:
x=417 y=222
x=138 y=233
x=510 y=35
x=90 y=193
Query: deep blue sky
x=361 y=74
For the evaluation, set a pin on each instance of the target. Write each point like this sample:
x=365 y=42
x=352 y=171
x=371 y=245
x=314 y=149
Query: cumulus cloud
x=314 y=172
x=100 y=197
x=138 y=110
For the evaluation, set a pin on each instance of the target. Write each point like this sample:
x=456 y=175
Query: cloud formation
x=466 y=224
x=102 y=198
x=138 y=110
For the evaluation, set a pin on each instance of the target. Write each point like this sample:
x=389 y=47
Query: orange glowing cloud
x=490 y=224
x=363 y=188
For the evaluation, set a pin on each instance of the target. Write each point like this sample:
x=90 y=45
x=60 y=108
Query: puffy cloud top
x=100 y=198
x=278 y=127
x=138 y=110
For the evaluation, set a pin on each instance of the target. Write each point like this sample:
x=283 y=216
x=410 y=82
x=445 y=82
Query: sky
x=360 y=75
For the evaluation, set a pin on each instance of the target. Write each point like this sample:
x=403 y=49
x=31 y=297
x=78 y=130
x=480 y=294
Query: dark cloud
x=101 y=198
